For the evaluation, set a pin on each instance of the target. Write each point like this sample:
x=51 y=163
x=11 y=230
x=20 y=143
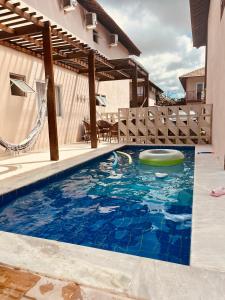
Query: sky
x=162 y=31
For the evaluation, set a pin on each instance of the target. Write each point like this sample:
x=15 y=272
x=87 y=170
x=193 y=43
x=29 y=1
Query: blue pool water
x=124 y=209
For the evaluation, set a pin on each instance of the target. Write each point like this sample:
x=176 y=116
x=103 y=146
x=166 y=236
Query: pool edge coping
x=89 y=251
x=23 y=179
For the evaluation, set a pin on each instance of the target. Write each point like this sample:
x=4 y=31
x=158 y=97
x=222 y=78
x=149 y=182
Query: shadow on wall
x=70 y=116
x=60 y=3
x=4 y=169
x=18 y=114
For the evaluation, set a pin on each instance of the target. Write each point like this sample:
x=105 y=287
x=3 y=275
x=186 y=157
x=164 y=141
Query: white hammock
x=31 y=139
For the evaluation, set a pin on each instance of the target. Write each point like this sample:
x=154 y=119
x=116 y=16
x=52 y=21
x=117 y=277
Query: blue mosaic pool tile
x=97 y=206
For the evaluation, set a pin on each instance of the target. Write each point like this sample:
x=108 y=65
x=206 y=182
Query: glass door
x=199 y=91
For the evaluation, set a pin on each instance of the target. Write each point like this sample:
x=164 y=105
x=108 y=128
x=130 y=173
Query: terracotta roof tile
x=195 y=73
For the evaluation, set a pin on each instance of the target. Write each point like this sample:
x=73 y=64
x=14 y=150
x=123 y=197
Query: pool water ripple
x=124 y=209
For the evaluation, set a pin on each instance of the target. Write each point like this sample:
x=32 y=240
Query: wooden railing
x=186 y=124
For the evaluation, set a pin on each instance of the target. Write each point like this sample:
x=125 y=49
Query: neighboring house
x=208 y=28
x=74 y=32
x=194 y=86
x=152 y=91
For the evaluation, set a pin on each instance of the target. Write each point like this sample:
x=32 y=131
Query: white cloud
x=162 y=31
x=166 y=67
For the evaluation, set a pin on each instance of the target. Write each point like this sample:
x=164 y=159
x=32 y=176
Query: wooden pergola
x=125 y=68
x=26 y=31
x=136 y=73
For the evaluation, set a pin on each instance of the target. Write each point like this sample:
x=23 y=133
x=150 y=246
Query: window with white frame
x=40 y=85
x=101 y=100
x=18 y=85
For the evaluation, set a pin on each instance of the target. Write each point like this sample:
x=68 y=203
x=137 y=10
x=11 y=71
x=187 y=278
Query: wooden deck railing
x=186 y=124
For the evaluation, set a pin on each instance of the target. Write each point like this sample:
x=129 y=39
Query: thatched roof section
x=199 y=21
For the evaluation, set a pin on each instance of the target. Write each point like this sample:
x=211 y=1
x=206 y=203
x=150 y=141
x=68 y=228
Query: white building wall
x=216 y=77
x=117 y=92
x=17 y=114
x=74 y=22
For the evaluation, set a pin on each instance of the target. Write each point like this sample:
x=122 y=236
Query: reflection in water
x=125 y=209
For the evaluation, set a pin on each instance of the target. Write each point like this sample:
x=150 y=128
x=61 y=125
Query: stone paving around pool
x=16 y=284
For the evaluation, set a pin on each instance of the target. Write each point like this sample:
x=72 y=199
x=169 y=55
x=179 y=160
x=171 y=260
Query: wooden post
x=92 y=98
x=49 y=73
x=135 y=87
x=146 y=91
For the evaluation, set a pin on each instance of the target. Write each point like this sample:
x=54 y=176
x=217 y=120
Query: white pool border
x=136 y=277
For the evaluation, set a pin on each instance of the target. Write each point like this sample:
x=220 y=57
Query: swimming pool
x=124 y=209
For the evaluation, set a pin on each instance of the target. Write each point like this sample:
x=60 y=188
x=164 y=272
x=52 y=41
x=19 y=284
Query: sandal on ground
x=218 y=192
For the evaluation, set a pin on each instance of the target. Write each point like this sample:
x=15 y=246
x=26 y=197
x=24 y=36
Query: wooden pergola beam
x=10 y=19
x=129 y=63
x=7 y=29
x=49 y=73
x=135 y=87
x=103 y=71
x=71 y=56
x=142 y=72
x=146 y=93
x=92 y=99
x=115 y=79
x=79 y=62
x=65 y=38
x=60 y=40
x=30 y=42
x=123 y=61
x=104 y=61
x=85 y=55
x=22 y=22
x=107 y=75
x=29 y=29
x=36 y=54
x=107 y=69
x=20 y=12
x=65 y=48
x=123 y=74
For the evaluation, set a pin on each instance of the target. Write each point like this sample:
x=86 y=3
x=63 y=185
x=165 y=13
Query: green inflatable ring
x=161 y=157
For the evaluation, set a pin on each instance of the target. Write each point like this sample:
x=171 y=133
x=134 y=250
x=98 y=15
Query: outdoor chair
x=104 y=129
x=87 y=131
x=113 y=132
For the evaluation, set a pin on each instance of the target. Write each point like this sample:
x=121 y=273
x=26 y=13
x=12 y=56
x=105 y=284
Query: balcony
x=194 y=96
